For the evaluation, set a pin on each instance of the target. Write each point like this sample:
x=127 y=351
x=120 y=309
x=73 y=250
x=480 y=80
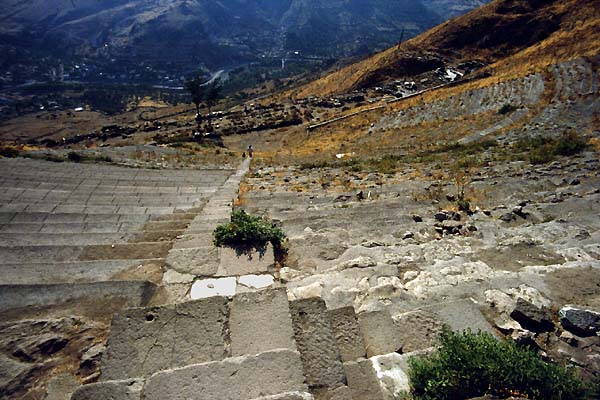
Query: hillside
x=216 y=34
x=504 y=34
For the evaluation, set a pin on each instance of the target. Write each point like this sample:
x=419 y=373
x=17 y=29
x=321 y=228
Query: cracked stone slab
x=237 y=378
x=146 y=340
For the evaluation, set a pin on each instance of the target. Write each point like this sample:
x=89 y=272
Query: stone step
x=80 y=207
x=93 y=227
x=273 y=375
x=315 y=338
x=61 y=239
x=52 y=218
x=125 y=293
x=147 y=340
x=211 y=261
x=238 y=378
x=45 y=254
x=70 y=272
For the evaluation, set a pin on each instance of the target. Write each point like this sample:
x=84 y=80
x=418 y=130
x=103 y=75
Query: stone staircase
x=73 y=231
x=260 y=345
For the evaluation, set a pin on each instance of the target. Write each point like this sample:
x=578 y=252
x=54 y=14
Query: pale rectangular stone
x=379 y=332
x=260 y=321
x=235 y=263
x=147 y=340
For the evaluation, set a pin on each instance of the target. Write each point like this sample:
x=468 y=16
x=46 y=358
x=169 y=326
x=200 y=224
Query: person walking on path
x=250 y=150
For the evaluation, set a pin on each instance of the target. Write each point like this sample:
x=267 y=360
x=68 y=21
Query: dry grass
x=578 y=35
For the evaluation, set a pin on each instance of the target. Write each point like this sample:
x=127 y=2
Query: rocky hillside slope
x=509 y=36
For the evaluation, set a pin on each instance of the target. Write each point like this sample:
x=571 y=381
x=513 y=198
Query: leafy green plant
x=468 y=365
x=248 y=232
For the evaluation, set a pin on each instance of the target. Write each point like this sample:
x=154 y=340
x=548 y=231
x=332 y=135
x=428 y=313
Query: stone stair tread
x=130 y=293
x=143 y=341
x=254 y=314
x=68 y=272
x=237 y=378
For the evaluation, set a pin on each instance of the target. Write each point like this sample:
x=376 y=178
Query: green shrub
x=248 y=232
x=471 y=364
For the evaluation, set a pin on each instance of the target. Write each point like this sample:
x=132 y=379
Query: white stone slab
x=204 y=288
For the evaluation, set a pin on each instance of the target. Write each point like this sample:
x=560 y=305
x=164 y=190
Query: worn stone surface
x=417 y=330
x=129 y=389
x=347 y=333
x=379 y=332
x=460 y=315
x=238 y=378
x=61 y=387
x=288 y=396
x=260 y=321
x=362 y=380
x=316 y=343
x=146 y=340
x=580 y=320
x=233 y=264
x=200 y=261
x=130 y=293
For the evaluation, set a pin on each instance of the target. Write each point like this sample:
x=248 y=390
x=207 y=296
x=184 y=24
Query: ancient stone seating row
x=569 y=80
x=71 y=231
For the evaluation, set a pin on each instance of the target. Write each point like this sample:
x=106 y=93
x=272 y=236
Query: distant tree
x=197 y=91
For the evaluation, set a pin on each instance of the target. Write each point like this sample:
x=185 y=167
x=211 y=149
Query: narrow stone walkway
x=196 y=268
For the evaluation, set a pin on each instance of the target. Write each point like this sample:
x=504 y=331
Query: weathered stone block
x=146 y=340
x=362 y=380
x=112 y=390
x=317 y=345
x=238 y=378
x=260 y=321
x=417 y=330
x=347 y=333
x=379 y=332
x=201 y=261
x=233 y=264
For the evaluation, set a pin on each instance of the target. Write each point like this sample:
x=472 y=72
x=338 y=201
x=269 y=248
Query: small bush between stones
x=469 y=365
x=248 y=232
